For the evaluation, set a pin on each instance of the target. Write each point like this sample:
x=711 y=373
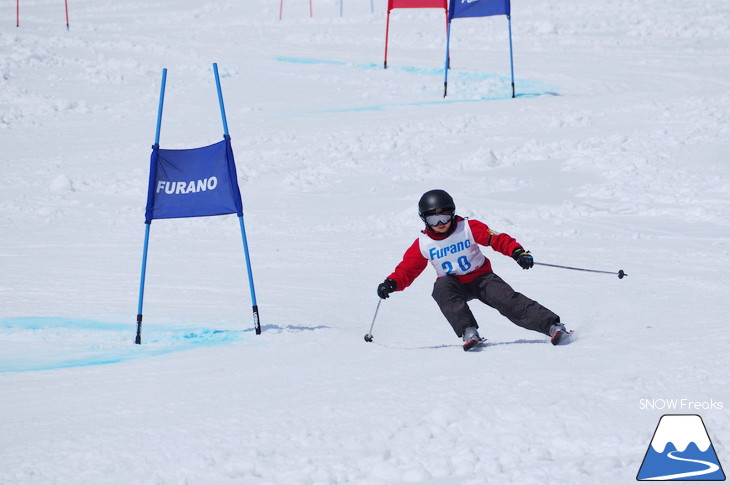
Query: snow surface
x=614 y=155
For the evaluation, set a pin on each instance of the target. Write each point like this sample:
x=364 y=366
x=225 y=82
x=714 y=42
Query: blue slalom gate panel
x=193 y=182
x=478 y=8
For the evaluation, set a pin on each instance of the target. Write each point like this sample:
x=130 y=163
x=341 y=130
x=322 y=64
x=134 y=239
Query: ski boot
x=559 y=335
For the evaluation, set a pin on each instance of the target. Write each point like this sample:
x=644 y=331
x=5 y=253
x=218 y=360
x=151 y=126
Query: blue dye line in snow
x=303 y=60
x=428 y=103
x=527 y=89
x=409 y=69
x=367 y=65
x=40 y=343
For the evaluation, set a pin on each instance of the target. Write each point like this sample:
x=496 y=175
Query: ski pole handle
x=620 y=272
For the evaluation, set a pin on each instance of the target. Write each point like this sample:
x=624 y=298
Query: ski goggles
x=438 y=219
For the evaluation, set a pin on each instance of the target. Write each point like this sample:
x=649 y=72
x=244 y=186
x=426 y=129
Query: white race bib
x=458 y=254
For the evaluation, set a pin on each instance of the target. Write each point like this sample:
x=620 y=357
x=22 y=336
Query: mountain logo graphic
x=681 y=450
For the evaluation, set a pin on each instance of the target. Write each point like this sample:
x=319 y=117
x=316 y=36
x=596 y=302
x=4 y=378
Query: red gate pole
x=387 y=28
x=67 y=26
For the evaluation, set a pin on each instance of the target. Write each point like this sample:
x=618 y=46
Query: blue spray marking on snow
x=527 y=89
x=430 y=103
x=367 y=65
x=302 y=60
x=37 y=343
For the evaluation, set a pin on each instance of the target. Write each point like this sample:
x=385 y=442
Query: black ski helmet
x=435 y=199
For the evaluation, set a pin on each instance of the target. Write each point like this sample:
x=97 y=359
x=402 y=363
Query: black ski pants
x=452 y=296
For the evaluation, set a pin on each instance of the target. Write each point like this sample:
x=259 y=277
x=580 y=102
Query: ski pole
x=620 y=273
x=369 y=335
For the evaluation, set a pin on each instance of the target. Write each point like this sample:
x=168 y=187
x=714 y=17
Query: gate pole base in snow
x=138 y=338
x=511 y=57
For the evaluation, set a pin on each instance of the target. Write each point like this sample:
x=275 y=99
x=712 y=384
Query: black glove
x=523 y=258
x=386 y=288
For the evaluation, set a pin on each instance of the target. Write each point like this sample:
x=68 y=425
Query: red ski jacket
x=414 y=262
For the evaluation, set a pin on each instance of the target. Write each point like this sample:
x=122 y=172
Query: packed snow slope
x=614 y=155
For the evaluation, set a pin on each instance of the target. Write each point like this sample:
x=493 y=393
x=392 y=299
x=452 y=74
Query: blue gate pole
x=220 y=99
x=255 y=308
x=511 y=62
x=446 y=64
x=138 y=338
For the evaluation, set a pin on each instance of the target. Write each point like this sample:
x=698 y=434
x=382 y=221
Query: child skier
x=452 y=245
